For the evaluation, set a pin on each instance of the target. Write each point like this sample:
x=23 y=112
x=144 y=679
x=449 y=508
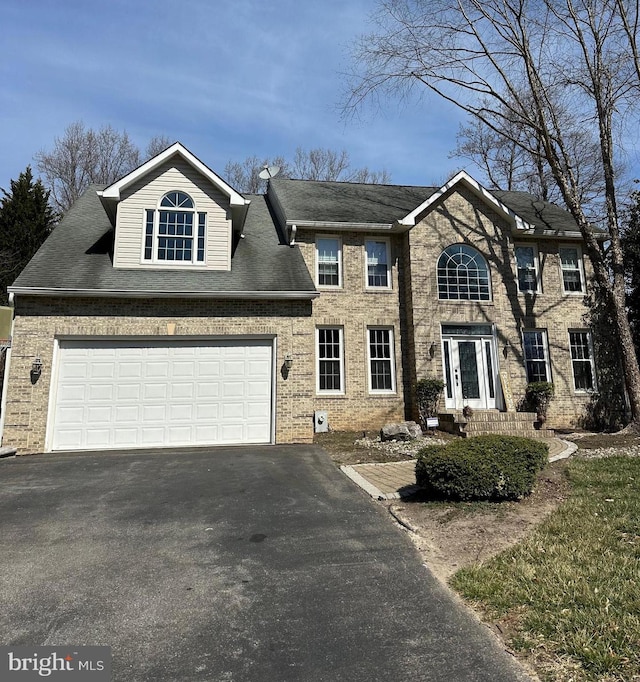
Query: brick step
x=490 y=416
x=533 y=433
x=527 y=431
x=484 y=422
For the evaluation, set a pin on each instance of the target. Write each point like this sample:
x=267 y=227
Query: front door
x=470 y=372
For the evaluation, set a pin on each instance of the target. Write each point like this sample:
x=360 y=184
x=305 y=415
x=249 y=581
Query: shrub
x=481 y=468
x=428 y=392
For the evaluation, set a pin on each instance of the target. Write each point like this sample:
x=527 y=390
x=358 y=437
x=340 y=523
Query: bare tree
x=554 y=69
x=244 y=176
x=508 y=164
x=311 y=164
x=83 y=156
x=157 y=144
x=330 y=165
x=320 y=164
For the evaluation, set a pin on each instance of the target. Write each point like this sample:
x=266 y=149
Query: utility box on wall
x=320 y=421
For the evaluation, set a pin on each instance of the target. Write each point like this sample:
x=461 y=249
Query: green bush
x=428 y=392
x=481 y=468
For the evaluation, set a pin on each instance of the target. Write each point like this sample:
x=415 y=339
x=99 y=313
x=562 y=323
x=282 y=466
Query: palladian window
x=175 y=232
x=463 y=275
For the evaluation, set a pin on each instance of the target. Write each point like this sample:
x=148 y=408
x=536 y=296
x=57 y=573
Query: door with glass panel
x=469 y=367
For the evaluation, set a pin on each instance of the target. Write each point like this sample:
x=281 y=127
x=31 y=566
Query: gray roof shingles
x=307 y=201
x=78 y=256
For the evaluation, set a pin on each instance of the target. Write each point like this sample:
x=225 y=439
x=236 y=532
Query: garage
x=112 y=394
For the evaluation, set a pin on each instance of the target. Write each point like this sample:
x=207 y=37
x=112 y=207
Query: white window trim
x=580 y=269
x=325 y=391
x=536 y=265
x=154 y=260
x=392 y=352
x=547 y=359
x=464 y=301
x=317 y=269
x=387 y=243
x=583 y=391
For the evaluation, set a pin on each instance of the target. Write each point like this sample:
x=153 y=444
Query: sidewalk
x=394 y=480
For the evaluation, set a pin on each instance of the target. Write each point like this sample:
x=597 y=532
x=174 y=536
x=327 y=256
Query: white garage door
x=130 y=394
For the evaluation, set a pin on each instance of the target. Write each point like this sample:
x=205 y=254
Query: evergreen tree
x=26 y=219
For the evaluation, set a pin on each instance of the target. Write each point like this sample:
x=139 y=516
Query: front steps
x=493 y=422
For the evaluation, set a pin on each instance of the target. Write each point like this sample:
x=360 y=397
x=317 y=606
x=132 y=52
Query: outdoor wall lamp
x=432 y=350
x=505 y=348
x=288 y=361
x=36 y=370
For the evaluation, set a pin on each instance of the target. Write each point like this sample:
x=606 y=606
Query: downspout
x=292 y=241
x=5 y=381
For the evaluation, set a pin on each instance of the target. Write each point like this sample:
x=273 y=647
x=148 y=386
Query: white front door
x=470 y=372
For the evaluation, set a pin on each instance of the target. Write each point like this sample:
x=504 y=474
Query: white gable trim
x=464 y=178
x=114 y=190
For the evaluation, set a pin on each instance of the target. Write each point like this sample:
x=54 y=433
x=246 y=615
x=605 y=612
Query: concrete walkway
x=394 y=480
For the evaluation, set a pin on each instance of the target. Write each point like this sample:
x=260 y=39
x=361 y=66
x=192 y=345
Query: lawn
x=568 y=596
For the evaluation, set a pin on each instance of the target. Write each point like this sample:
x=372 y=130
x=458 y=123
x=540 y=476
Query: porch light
x=36 y=367
x=432 y=350
x=288 y=361
x=506 y=348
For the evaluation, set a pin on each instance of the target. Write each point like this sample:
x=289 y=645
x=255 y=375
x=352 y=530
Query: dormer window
x=175 y=231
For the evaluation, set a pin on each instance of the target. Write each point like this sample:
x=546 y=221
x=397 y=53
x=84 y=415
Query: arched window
x=170 y=232
x=463 y=275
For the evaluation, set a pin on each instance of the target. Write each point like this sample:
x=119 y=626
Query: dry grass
x=568 y=596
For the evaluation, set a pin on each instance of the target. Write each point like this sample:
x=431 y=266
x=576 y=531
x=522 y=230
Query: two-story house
x=169 y=310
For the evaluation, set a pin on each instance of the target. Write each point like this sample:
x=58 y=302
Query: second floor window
x=527 y=264
x=572 y=271
x=463 y=274
x=378 y=275
x=175 y=232
x=329 y=262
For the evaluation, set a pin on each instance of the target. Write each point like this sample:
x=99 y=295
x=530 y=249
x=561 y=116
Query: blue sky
x=227 y=79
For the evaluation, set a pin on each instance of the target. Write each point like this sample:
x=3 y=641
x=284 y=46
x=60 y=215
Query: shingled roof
x=304 y=201
x=77 y=257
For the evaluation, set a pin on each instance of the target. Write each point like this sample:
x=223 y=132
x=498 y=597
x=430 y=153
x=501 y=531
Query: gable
x=145 y=193
x=460 y=180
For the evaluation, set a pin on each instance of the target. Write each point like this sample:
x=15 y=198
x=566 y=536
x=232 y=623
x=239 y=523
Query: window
x=527 y=265
x=328 y=262
x=463 y=275
x=536 y=355
x=572 y=269
x=378 y=274
x=381 y=361
x=330 y=367
x=582 y=360
x=175 y=232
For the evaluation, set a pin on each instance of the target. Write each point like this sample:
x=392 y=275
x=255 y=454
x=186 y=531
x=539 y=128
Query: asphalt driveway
x=240 y=564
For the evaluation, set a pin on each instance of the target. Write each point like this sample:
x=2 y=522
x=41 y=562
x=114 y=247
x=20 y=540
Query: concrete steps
x=483 y=422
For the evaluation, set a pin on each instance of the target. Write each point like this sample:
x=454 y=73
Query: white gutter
x=326 y=225
x=131 y=293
